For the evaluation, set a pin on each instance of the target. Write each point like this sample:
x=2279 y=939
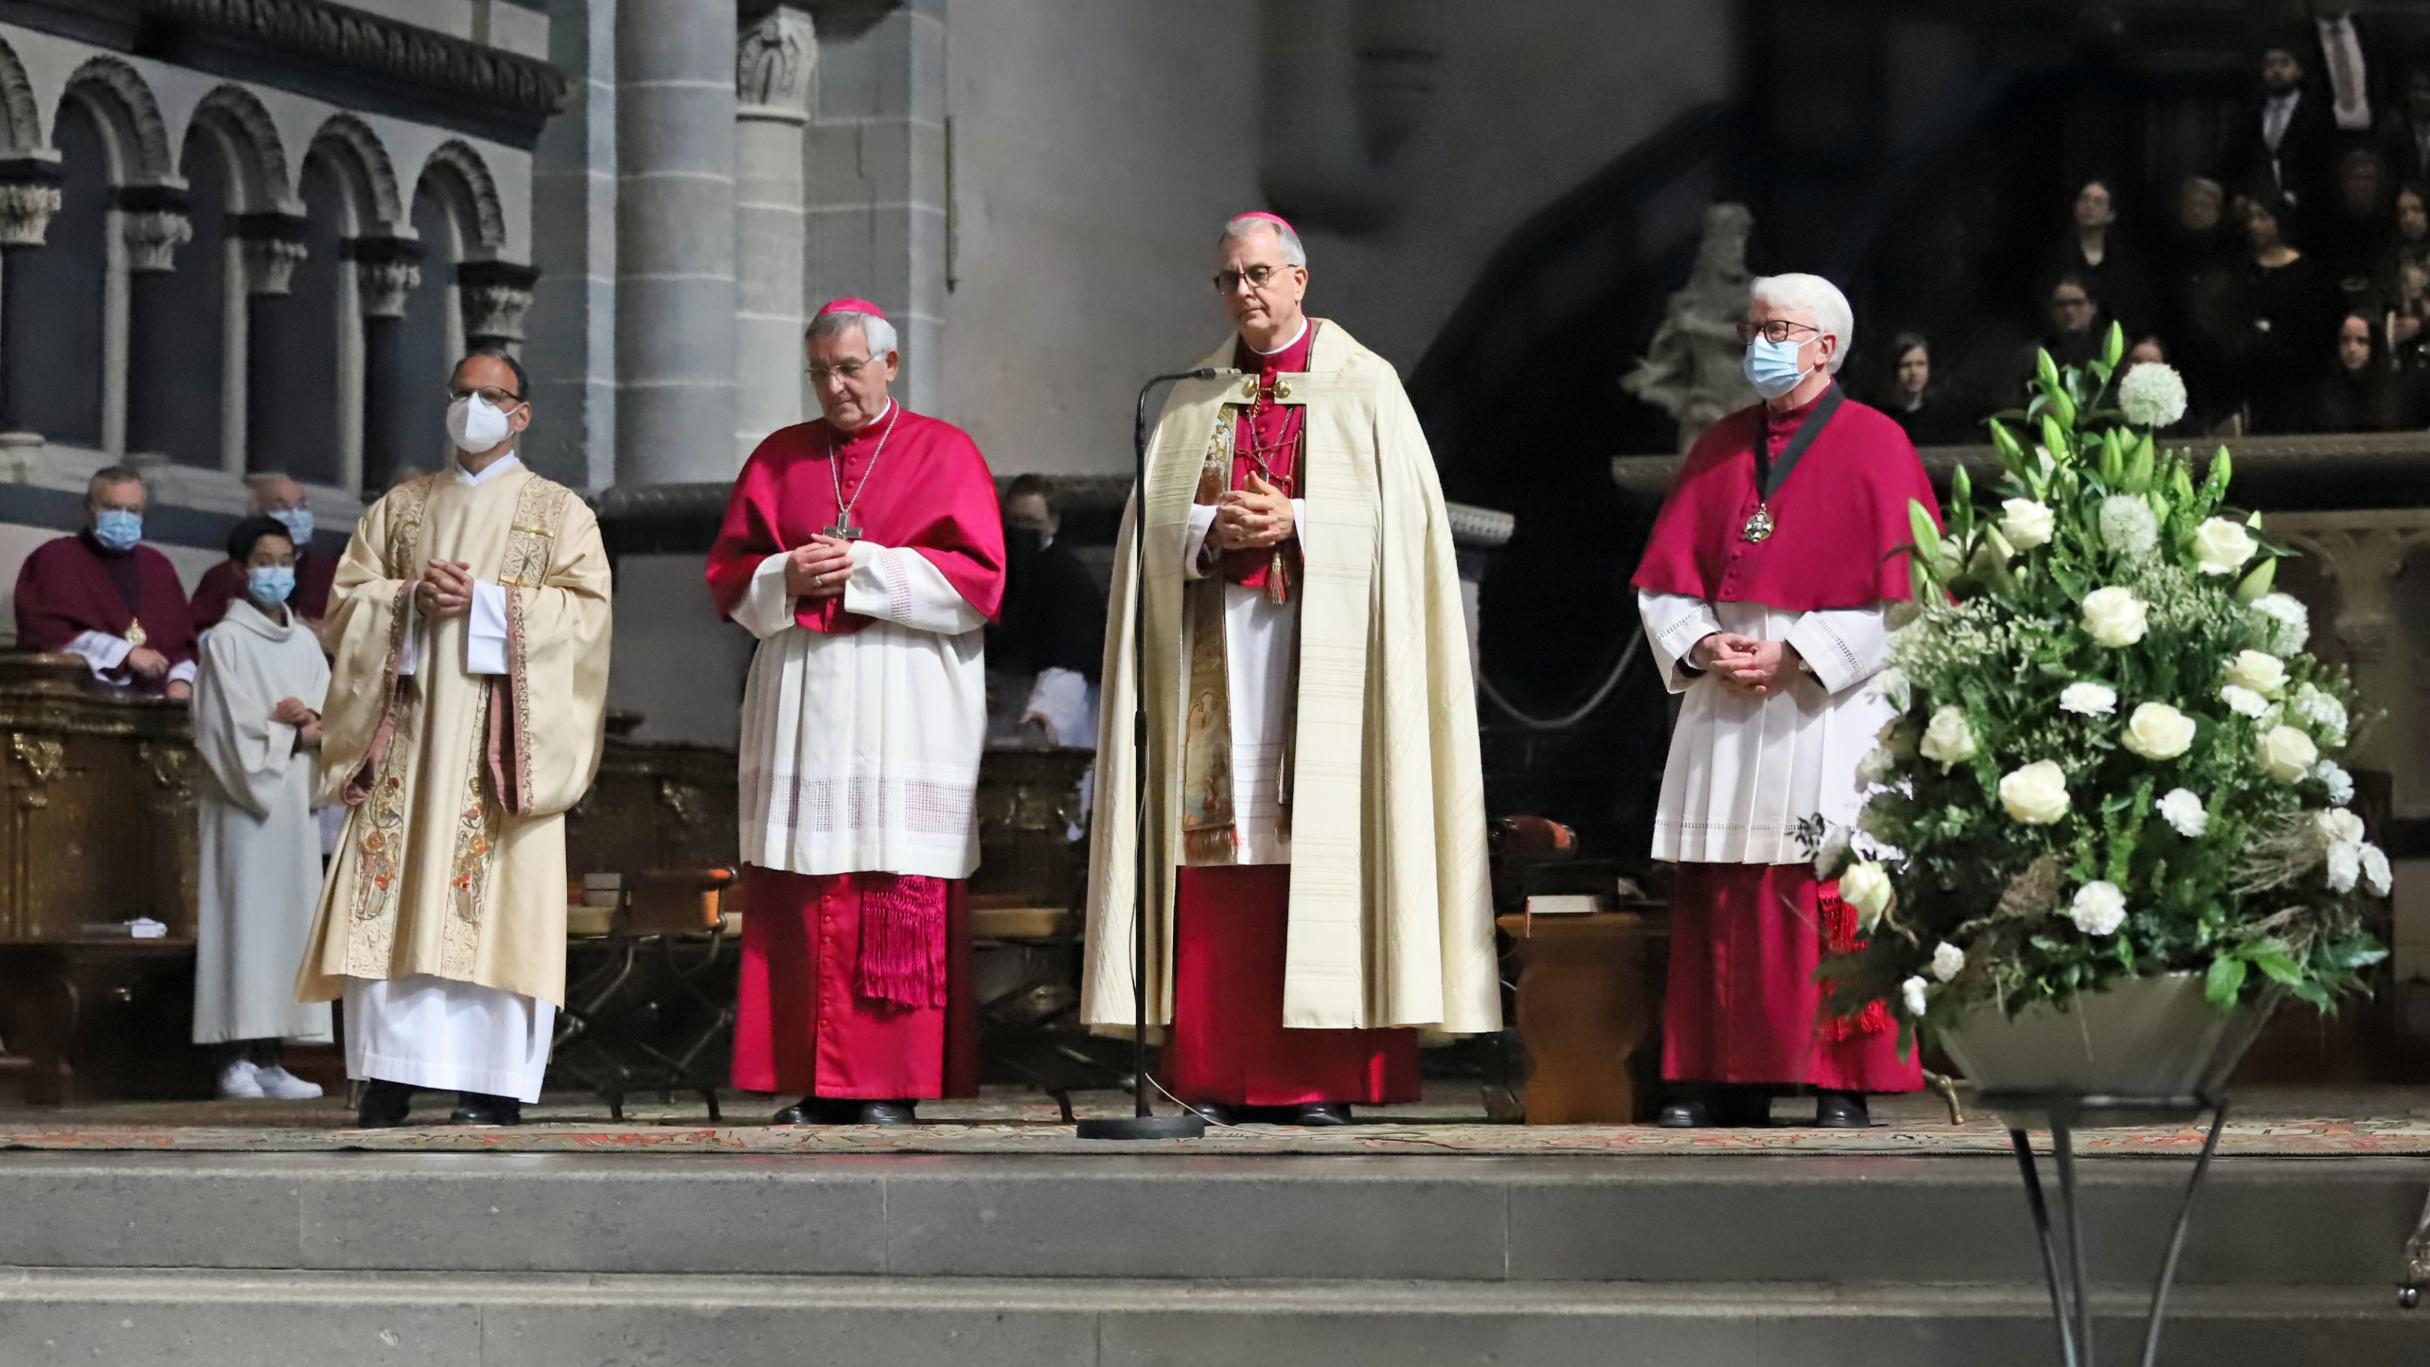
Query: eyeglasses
x=1257 y=276
x=842 y=370
x=1776 y=330
x=494 y=397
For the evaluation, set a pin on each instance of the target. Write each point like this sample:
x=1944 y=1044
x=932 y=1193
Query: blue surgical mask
x=270 y=585
x=298 y=522
x=118 y=529
x=1772 y=366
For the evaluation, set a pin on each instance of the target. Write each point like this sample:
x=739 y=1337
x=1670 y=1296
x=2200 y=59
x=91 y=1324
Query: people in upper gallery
x=257 y=726
x=1917 y=402
x=865 y=551
x=283 y=500
x=1044 y=651
x=2407 y=322
x=2285 y=142
x=2404 y=132
x=2360 y=230
x=2364 y=393
x=2288 y=316
x=2074 y=325
x=470 y=626
x=2353 y=75
x=2093 y=253
x=1764 y=592
x=1314 y=821
x=104 y=595
x=2202 y=287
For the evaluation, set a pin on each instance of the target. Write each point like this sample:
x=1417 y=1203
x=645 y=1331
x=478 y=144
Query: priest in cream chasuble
x=469 y=625
x=1314 y=810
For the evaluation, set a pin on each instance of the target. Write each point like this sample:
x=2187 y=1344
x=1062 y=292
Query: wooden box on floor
x=1589 y=1004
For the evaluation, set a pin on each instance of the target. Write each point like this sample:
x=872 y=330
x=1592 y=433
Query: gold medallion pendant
x=1759 y=527
x=135 y=633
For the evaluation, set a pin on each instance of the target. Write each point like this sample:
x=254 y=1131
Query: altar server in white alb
x=257 y=722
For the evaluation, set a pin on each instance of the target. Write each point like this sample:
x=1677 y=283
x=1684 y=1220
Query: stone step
x=219 y=1319
x=1466 y=1219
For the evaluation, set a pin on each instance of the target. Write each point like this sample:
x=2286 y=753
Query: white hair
x=876 y=331
x=1819 y=297
x=1293 y=252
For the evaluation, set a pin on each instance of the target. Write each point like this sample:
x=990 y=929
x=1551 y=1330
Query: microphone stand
x=1143 y=1123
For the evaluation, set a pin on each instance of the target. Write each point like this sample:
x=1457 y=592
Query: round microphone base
x=1143 y=1127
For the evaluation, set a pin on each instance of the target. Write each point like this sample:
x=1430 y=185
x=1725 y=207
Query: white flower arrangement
x=2115 y=617
x=2152 y=395
x=2222 y=547
x=2026 y=524
x=1947 y=738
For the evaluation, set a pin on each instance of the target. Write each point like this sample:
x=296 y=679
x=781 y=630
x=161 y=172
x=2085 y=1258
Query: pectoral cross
x=843 y=530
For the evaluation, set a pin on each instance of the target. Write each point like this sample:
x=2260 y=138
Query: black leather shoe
x=385 y=1105
x=1841 y=1111
x=889 y=1113
x=816 y=1110
x=1213 y=1112
x=1319 y=1115
x=1688 y=1114
x=476 y=1108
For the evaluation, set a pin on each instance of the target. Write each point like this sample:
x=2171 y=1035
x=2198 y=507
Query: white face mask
x=474 y=426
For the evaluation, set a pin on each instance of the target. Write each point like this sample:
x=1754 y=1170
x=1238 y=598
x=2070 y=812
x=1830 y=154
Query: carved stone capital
x=494 y=296
x=273 y=247
x=26 y=207
x=387 y=270
x=153 y=238
x=772 y=64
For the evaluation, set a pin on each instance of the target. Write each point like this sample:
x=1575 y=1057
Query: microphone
x=1139 y=414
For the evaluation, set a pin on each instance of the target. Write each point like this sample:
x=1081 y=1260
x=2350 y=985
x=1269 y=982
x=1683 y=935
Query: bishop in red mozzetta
x=865 y=551
x=1764 y=591
x=104 y=595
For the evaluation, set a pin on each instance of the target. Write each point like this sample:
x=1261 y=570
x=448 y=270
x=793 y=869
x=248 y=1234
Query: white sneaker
x=280 y=1085
x=241 y=1081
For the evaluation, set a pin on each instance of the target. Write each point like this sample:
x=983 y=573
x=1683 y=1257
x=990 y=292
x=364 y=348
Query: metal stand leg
x=2176 y=1239
x=2059 y=1311
x=2417 y=1263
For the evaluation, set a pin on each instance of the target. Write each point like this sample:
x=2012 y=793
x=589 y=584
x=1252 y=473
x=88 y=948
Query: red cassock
x=835 y=1000
x=72 y=586
x=1227 y=1043
x=1747 y=939
x=223 y=584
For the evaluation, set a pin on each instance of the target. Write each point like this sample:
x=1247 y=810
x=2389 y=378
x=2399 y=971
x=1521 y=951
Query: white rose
x=2288 y=621
x=1865 y=885
x=2088 y=699
x=1876 y=765
x=2026 y=524
x=2345 y=867
x=2127 y=525
x=2258 y=670
x=2339 y=783
x=2377 y=880
x=1947 y=738
x=2151 y=394
x=2115 y=617
x=2035 y=794
x=1947 y=961
x=2222 y=547
x=1894 y=685
x=2243 y=701
x=1913 y=993
x=2336 y=827
x=2184 y=812
x=2158 y=731
x=2286 y=753
x=2099 y=909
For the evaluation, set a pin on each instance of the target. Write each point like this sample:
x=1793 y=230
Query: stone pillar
x=29 y=195
x=387 y=270
x=674 y=241
x=152 y=219
x=877 y=173
x=772 y=69
x=273 y=246
x=494 y=296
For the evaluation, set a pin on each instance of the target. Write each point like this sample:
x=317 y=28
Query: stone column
x=29 y=195
x=772 y=69
x=495 y=295
x=152 y=219
x=273 y=246
x=675 y=241
x=876 y=173
x=387 y=270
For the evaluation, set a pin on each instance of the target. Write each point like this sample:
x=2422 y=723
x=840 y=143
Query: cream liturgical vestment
x=260 y=847
x=1389 y=916
x=457 y=744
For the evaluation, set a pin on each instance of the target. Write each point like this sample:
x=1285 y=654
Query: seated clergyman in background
x=257 y=722
x=282 y=500
x=106 y=596
x=1044 y=651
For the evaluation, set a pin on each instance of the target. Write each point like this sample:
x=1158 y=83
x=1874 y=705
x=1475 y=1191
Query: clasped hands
x=446 y=589
x=1253 y=518
x=1743 y=662
x=818 y=568
x=307 y=723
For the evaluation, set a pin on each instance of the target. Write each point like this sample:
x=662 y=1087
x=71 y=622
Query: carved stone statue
x=1691 y=368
